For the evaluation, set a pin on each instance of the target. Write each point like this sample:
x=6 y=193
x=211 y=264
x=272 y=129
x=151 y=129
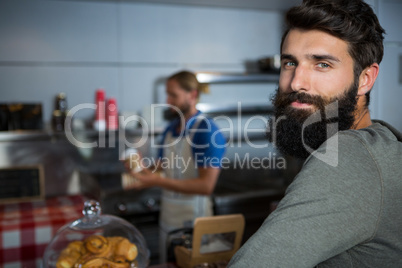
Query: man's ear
x=194 y=94
x=367 y=79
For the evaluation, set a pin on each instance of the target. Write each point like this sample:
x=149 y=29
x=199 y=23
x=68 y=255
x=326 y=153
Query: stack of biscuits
x=98 y=251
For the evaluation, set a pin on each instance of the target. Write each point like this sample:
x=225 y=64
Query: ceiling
x=280 y=5
x=250 y=4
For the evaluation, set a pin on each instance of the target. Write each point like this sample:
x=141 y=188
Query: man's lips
x=298 y=104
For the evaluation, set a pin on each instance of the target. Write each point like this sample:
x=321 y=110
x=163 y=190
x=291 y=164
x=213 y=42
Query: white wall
x=387 y=91
x=390 y=78
x=74 y=47
x=51 y=46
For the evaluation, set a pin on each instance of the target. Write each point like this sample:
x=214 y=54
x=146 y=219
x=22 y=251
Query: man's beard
x=176 y=112
x=295 y=136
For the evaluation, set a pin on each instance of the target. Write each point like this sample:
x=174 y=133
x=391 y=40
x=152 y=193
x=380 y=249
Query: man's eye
x=323 y=65
x=289 y=64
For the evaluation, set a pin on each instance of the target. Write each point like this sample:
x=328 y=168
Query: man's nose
x=301 y=79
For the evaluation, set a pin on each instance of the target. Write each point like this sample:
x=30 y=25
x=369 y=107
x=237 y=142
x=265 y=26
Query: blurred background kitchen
x=127 y=48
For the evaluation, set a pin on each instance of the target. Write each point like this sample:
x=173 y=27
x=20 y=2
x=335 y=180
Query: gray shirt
x=348 y=215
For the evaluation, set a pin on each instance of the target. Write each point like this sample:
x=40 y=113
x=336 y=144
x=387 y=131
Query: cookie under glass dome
x=97 y=240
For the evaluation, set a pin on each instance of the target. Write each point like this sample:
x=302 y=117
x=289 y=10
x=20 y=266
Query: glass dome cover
x=97 y=240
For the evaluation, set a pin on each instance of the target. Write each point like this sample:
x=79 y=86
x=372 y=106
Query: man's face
x=315 y=63
x=316 y=71
x=178 y=97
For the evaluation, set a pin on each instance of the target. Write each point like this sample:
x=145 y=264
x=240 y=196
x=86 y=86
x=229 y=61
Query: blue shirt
x=208 y=142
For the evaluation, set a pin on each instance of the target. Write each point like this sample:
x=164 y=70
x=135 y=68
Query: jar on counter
x=59 y=113
x=97 y=241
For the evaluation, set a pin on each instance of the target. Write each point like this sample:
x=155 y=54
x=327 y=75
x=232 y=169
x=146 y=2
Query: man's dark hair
x=350 y=20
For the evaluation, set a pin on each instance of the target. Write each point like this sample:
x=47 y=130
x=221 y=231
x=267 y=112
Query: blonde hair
x=188 y=81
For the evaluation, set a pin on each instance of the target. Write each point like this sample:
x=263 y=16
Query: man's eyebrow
x=312 y=56
x=324 y=57
x=287 y=57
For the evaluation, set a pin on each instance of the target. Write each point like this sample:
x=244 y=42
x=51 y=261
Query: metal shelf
x=217 y=78
x=235 y=109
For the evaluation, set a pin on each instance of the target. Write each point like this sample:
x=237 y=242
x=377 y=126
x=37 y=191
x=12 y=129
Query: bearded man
x=344 y=208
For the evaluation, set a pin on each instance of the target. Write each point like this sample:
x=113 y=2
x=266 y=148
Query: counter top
x=164 y=265
x=26 y=228
x=34 y=135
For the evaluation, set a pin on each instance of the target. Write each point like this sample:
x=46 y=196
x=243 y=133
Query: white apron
x=179 y=210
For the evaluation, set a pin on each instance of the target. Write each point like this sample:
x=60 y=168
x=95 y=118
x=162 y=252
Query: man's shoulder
x=207 y=122
x=375 y=145
x=207 y=129
x=379 y=134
